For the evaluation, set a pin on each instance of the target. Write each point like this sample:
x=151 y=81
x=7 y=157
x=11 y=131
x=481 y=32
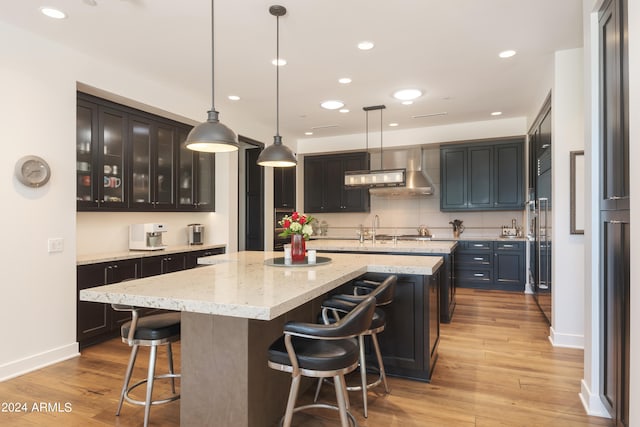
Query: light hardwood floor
x=496 y=367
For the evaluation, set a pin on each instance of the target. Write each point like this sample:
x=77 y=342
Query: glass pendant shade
x=212 y=136
x=277 y=155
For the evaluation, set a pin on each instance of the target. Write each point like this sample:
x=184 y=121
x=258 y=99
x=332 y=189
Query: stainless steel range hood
x=417 y=181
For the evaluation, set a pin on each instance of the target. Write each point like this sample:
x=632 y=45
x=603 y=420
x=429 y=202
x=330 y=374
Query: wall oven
x=278 y=242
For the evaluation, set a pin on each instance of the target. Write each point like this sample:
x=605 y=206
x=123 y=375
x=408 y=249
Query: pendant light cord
x=277 y=76
x=213 y=104
x=381 y=139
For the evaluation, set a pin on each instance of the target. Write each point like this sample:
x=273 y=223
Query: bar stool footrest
x=352 y=420
x=153 y=402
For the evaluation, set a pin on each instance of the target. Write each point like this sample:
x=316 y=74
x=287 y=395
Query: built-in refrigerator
x=540 y=235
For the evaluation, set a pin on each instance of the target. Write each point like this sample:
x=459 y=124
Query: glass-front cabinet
x=131 y=160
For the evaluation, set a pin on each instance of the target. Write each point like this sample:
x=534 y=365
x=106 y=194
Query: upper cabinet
x=324 y=189
x=482 y=176
x=284 y=187
x=131 y=160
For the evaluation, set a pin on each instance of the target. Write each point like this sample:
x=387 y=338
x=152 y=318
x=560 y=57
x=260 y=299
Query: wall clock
x=32 y=171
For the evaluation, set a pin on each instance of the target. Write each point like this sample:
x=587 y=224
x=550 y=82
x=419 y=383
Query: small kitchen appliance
x=196 y=234
x=146 y=237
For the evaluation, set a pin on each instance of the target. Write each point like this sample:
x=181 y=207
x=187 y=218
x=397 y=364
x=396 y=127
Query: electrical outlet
x=56 y=244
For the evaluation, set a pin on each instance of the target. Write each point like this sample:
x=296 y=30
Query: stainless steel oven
x=278 y=242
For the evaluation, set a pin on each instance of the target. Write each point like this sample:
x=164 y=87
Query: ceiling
x=448 y=49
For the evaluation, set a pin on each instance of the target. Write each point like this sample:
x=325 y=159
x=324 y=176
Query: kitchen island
x=231 y=311
x=444 y=248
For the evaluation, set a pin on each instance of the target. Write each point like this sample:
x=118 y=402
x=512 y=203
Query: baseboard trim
x=566 y=340
x=592 y=402
x=37 y=361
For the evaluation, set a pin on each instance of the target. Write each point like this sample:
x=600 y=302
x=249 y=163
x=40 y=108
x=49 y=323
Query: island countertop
x=239 y=284
x=419 y=247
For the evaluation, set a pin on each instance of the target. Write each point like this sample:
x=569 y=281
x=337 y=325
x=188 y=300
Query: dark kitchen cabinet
x=324 y=189
x=131 y=160
x=162 y=264
x=97 y=322
x=192 y=257
x=410 y=340
x=284 y=187
x=196 y=178
x=491 y=265
x=482 y=176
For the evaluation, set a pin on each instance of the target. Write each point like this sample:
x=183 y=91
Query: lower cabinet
x=99 y=322
x=491 y=265
x=410 y=340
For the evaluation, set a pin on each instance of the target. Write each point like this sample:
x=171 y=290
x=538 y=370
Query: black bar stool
x=340 y=304
x=151 y=331
x=321 y=351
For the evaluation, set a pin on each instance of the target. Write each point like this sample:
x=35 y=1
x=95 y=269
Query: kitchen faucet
x=375 y=224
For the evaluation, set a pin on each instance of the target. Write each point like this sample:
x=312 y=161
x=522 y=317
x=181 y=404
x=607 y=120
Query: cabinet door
x=509 y=268
x=284 y=187
x=333 y=183
x=112 y=155
x=508 y=189
x=480 y=177
x=92 y=317
x=164 y=168
x=453 y=178
x=116 y=273
x=314 y=184
x=354 y=200
x=140 y=191
x=87 y=189
x=205 y=184
x=186 y=175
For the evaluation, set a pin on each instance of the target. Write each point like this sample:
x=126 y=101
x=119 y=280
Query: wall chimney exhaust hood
x=417 y=181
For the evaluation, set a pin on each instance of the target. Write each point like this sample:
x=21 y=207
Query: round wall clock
x=32 y=171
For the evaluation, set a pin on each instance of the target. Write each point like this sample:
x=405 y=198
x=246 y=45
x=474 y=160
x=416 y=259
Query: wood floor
x=496 y=367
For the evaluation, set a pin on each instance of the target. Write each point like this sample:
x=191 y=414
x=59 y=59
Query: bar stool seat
x=340 y=304
x=321 y=351
x=148 y=331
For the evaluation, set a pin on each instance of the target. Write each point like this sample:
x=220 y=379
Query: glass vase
x=298 y=248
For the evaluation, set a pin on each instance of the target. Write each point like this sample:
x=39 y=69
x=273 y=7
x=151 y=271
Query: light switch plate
x=56 y=244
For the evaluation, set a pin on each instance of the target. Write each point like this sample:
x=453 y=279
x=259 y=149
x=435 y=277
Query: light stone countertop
x=239 y=284
x=401 y=246
x=118 y=256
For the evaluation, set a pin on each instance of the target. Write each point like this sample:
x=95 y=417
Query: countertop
x=401 y=246
x=118 y=256
x=239 y=284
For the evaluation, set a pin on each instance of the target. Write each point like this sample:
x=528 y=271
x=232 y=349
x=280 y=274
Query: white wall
x=567 y=325
x=38 y=81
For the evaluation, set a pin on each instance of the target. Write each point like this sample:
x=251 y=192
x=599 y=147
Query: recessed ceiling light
x=407 y=94
x=344 y=80
x=308 y=133
x=234 y=97
x=507 y=53
x=365 y=45
x=53 y=13
x=408 y=102
x=332 y=105
x=344 y=110
x=393 y=124
x=279 y=62
x=496 y=113
x=90 y=2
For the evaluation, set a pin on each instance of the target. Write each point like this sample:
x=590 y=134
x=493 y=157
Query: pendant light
x=277 y=155
x=212 y=136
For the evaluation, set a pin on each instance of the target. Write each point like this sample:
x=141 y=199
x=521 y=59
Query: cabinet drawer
x=476 y=246
x=475 y=275
x=465 y=259
x=509 y=246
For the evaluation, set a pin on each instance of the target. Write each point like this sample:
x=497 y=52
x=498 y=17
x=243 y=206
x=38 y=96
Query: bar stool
x=340 y=304
x=321 y=351
x=151 y=331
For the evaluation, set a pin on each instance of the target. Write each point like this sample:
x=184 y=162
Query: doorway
x=250 y=196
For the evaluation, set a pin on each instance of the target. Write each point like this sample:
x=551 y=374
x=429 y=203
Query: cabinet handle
x=478 y=245
x=478 y=275
x=507 y=246
x=478 y=259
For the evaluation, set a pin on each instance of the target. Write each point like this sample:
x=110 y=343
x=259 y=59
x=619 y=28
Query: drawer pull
x=478 y=275
x=507 y=246
x=478 y=245
x=478 y=259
